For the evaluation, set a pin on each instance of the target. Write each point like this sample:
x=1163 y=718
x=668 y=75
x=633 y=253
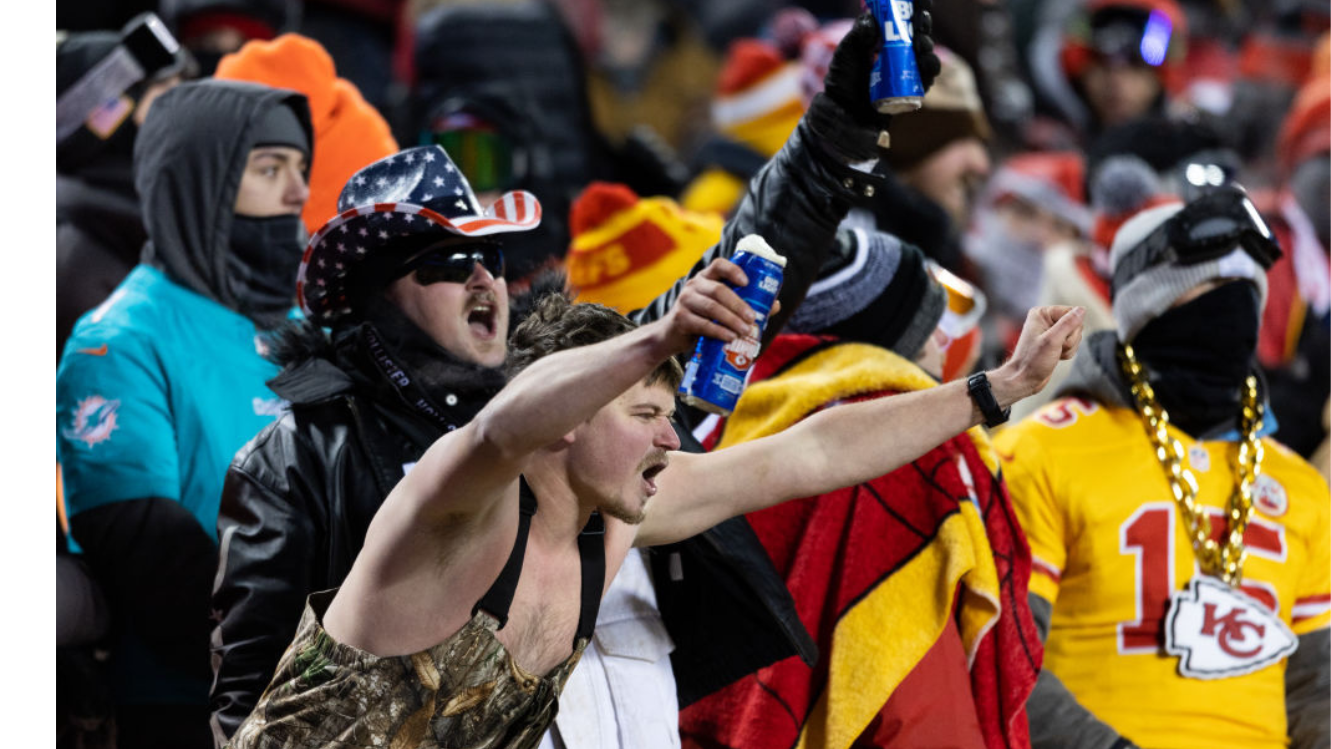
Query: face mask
x=1012 y=266
x=1198 y=355
x=261 y=270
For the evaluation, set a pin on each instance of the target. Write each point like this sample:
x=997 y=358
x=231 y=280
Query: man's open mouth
x=649 y=477
x=481 y=319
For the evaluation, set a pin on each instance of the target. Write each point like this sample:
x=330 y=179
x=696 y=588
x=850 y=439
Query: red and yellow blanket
x=923 y=565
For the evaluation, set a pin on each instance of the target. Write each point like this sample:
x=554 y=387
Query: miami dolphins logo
x=94 y=420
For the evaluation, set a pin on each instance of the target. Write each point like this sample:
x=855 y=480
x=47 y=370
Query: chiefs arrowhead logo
x=1218 y=632
x=1269 y=496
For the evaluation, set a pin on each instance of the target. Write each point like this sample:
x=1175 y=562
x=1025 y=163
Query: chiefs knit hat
x=627 y=250
x=1153 y=291
x=884 y=295
x=1052 y=180
x=758 y=97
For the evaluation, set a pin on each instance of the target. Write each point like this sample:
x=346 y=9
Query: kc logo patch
x=1269 y=496
x=1218 y=632
x=94 y=420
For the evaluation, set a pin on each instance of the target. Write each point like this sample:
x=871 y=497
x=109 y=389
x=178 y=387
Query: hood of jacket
x=188 y=162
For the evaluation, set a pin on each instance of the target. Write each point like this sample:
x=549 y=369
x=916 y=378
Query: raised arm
x=803 y=192
x=846 y=445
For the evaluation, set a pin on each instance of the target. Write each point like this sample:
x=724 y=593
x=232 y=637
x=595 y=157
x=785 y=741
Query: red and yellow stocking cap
x=627 y=250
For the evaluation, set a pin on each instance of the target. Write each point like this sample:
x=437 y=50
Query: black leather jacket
x=299 y=498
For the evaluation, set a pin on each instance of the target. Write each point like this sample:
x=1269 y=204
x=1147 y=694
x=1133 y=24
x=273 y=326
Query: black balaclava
x=1199 y=353
x=265 y=252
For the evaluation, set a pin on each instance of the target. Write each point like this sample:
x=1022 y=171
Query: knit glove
x=843 y=120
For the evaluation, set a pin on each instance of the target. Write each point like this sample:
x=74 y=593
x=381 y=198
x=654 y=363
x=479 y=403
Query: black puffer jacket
x=299 y=498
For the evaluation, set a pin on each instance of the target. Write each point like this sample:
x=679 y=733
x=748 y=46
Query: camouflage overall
x=467 y=692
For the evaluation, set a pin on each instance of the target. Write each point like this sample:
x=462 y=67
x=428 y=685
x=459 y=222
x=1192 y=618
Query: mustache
x=482 y=297
x=655 y=457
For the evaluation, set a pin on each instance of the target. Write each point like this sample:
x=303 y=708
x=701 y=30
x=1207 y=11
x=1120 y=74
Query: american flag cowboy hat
x=413 y=193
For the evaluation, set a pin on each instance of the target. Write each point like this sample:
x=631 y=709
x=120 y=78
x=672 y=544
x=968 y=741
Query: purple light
x=1155 y=38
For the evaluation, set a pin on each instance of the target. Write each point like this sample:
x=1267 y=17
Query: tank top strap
x=591 y=551
x=499 y=597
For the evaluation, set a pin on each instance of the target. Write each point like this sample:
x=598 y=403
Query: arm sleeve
x=1308 y=691
x=1042 y=516
x=115 y=432
x=156 y=564
x=268 y=551
x=1308 y=673
x=795 y=202
x=1312 y=603
x=1056 y=719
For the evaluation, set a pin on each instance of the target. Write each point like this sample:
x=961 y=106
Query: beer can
x=894 y=82
x=714 y=377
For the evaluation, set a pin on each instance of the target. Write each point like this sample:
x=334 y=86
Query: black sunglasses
x=1206 y=229
x=455 y=264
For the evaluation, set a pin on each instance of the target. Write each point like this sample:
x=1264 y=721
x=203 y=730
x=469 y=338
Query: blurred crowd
x=647 y=130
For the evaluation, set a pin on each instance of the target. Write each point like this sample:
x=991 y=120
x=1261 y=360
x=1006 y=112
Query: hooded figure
x=162 y=383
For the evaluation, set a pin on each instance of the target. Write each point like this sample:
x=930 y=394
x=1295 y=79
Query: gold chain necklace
x=1224 y=562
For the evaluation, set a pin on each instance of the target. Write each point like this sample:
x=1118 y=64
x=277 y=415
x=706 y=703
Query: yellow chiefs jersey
x=1109 y=548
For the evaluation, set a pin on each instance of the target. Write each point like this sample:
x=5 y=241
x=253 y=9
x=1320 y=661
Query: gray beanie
x=884 y=295
x=1153 y=291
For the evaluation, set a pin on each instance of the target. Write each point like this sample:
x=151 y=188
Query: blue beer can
x=894 y=82
x=714 y=377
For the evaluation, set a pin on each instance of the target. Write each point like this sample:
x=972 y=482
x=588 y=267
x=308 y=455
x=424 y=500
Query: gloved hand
x=841 y=116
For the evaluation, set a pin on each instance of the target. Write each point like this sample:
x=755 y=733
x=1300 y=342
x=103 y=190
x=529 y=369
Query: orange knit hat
x=627 y=250
x=348 y=132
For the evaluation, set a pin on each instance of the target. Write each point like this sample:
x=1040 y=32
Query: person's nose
x=298 y=191
x=480 y=277
x=666 y=438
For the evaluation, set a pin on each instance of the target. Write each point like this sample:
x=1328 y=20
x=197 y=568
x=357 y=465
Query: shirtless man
x=448 y=632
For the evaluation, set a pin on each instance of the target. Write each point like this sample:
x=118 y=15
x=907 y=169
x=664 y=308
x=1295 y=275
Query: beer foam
x=754 y=244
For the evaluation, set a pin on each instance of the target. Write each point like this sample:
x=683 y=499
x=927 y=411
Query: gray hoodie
x=188 y=162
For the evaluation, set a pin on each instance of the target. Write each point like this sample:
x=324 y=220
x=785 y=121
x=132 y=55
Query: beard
x=625 y=514
x=633 y=512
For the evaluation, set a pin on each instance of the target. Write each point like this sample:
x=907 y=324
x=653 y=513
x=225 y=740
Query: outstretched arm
x=849 y=444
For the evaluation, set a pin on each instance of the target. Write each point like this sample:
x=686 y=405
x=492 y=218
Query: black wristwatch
x=983 y=395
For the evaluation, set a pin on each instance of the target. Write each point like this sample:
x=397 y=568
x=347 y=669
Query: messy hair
x=557 y=324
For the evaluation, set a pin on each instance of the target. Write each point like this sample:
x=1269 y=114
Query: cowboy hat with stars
x=415 y=193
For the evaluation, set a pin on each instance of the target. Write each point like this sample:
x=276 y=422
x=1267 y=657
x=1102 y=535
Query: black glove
x=842 y=117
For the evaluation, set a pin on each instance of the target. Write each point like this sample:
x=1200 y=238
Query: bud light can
x=715 y=375
x=894 y=82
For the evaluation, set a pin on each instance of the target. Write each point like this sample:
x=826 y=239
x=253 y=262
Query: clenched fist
x=1050 y=335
